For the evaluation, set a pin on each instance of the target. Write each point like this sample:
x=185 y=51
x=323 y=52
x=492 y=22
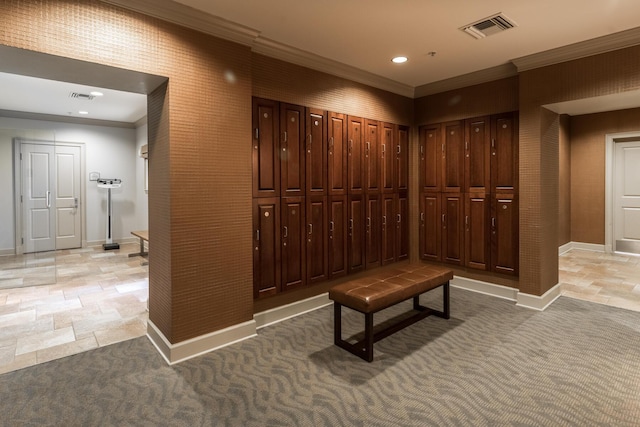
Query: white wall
x=111 y=151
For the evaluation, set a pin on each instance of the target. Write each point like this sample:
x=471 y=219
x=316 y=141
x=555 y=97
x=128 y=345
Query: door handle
x=48 y=199
x=75 y=203
x=399 y=219
x=258 y=235
x=286 y=232
x=422 y=216
x=310 y=229
x=331 y=226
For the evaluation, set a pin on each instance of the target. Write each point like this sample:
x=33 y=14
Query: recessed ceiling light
x=399 y=59
x=83 y=112
x=96 y=93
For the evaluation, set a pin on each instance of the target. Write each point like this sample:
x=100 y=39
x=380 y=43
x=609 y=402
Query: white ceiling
x=363 y=36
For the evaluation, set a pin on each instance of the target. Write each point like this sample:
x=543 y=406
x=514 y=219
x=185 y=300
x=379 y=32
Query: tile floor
x=101 y=298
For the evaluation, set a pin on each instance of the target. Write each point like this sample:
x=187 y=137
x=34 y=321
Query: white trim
x=7 y=252
x=486 y=288
x=610 y=140
x=563 y=249
x=588 y=247
x=278 y=314
x=579 y=50
x=179 y=352
x=536 y=302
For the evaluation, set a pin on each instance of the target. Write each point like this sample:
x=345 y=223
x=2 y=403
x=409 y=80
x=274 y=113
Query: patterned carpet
x=491 y=364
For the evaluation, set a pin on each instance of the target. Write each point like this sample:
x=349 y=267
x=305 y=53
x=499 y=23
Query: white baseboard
x=491 y=289
x=583 y=246
x=175 y=353
x=278 y=314
x=536 y=302
x=5 y=252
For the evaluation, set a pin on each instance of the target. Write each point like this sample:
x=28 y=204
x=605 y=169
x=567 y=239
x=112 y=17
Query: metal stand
x=109 y=184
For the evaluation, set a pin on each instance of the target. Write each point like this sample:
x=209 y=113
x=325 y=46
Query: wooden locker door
x=266 y=148
x=338 y=259
x=337 y=158
x=372 y=231
x=317 y=238
x=292 y=221
x=292 y=150
x=388 y=240
x=476 y=224
x=504 y=234
x=430 y=167
x=401 y=171
x=355 y=155
x=430 y=227
x=453 y=155
x=316 y=159
x=452 y=228
x=266 y=246
x=356 y=239
x=504 y=153
x=477 y=158
x=388 y=157
x=402 y=227
x=372 y=156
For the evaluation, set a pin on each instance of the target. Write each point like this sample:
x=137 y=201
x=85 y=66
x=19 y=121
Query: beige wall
x=588 y=133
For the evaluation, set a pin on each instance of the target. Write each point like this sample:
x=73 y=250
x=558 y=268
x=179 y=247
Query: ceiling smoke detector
x=84 y=96
x=489 y=26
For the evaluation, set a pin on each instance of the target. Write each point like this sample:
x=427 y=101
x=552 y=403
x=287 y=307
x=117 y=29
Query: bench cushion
x=384 y=289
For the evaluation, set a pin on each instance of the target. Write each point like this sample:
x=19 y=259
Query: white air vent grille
x=488 y=26
x=84 y=96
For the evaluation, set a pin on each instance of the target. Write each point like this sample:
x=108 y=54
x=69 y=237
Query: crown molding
x=465 y=80
x=615 y=41
x=303 y=58
x=189 y=17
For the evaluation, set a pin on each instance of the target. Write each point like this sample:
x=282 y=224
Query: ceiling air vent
x=84 y=96
x=488 y=26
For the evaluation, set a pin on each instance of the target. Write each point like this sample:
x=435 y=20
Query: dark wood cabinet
x=388 y=226
x=504 y=234
x=476 y=227
x=266 y=246
x=316 y=158
x=388 y=158
x=477 y=155
x=337 y=155
x=430 y=160
x=356 y=239
x=504 y=153
x=402 y=227
x=317 y=239
x=265 y=148
x=452 y=228
x=329 y=195
x=430 y=227
x=372 y=230
x=338 y=226
x=292 y=150
x=355 y=155
x=293 y=245
x=371 y=147
x=468 y=177
x=453 y=163
x=401 y=169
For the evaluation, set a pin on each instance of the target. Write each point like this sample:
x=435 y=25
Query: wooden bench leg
x=337 y=323
x=368 y=337
x=445 y=300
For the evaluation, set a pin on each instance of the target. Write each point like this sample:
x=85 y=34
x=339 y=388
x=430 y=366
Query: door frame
x=17 y=187
x=610 y=141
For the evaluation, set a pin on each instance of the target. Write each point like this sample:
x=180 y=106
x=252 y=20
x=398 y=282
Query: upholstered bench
x=371 y=294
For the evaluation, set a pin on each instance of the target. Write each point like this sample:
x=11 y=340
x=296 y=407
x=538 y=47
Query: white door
x=626 y=193
x=38 y=203
x=51 y=197
x=67 y=197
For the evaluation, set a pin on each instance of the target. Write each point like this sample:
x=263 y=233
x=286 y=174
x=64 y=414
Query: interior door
x=626 y=191
x=38 y=200
x=68 y=230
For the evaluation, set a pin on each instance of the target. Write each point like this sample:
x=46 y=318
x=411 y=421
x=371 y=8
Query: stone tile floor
x=60 y=303
x=96 y=298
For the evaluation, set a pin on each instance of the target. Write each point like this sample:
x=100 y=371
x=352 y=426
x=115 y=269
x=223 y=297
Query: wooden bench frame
x=364 y=347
